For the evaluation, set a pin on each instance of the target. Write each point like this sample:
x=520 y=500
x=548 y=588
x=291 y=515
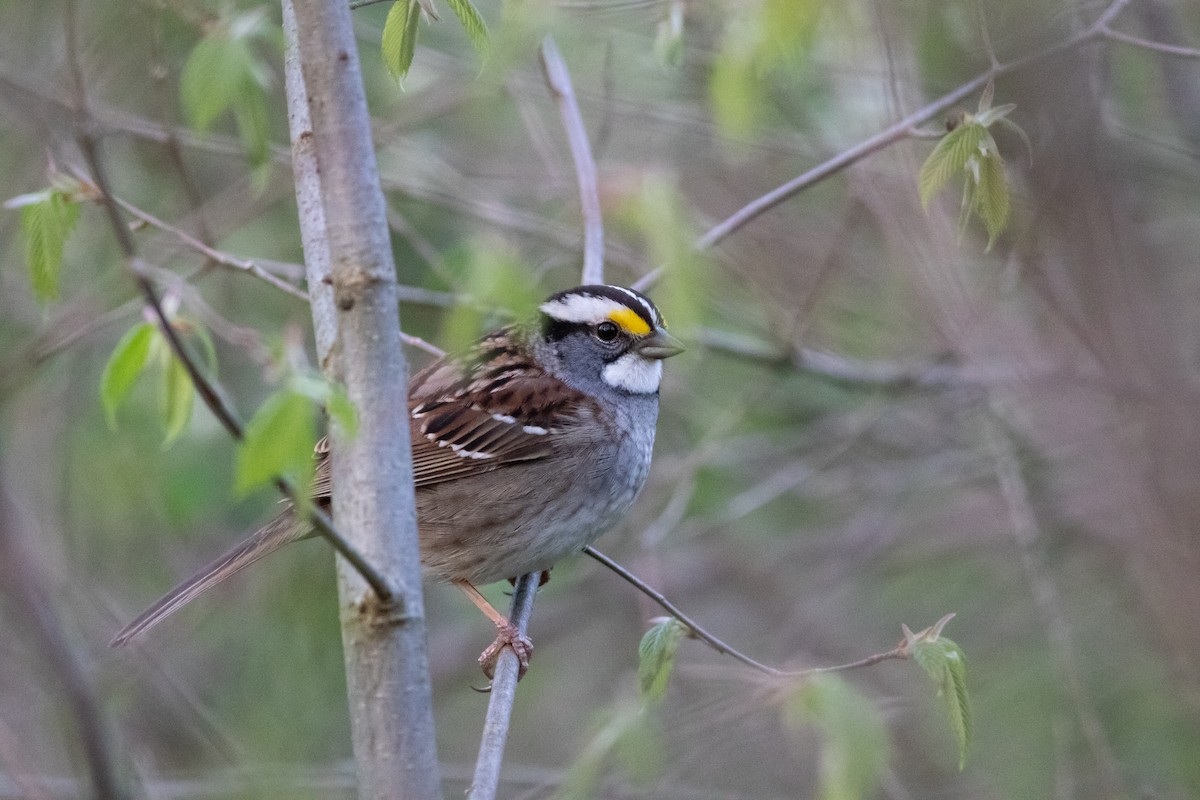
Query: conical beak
x=659 y=344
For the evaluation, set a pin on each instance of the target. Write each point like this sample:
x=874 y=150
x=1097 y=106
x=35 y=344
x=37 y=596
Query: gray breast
x=529 y=516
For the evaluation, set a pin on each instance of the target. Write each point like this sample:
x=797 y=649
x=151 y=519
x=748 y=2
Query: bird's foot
x=509 y=636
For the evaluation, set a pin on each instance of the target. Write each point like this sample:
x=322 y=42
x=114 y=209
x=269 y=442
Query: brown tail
x=266 y=540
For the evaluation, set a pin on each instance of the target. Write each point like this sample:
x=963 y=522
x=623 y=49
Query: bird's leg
x=541 y=581
x=508 y=636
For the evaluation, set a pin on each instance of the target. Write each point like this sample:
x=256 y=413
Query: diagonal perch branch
x=904 y=128
x=900 y=652
x=503 y=694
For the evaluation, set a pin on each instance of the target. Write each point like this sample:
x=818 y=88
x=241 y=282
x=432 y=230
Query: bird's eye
x=607 y=332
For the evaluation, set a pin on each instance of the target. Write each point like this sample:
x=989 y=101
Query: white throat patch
x=635 y=374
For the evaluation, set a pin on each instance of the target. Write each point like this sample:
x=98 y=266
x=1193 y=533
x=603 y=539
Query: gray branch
x=503 y=694
x=358 y=330
x=899 y=131
x=559 y=81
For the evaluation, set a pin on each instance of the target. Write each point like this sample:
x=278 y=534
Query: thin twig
x=559 y=81
x=986 y=35
x=1147 y=44
x=211 y=253
x=502 y=693
x=897 y=131
x=897 y=653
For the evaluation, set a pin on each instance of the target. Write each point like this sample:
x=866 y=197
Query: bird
x=526 y=447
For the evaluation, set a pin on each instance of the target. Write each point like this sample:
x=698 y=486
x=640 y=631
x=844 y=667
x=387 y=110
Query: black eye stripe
x=557 y=329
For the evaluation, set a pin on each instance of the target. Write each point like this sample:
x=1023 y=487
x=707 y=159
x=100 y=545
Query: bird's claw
x=509 y=636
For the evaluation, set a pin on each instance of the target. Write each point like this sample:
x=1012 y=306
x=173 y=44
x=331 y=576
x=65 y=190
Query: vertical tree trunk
x=387 y=671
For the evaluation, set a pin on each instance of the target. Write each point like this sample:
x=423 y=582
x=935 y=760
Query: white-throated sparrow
x=525 y=448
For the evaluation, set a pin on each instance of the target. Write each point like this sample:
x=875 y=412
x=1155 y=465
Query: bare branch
x=212 y=254
x=897 y=653
x=412 y=294
x=503 y=694
x=986 y=35
x=898 y=131
x=1146 y=44
x=559 y=81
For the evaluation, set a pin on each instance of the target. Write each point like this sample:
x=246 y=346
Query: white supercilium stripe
x=581 y=308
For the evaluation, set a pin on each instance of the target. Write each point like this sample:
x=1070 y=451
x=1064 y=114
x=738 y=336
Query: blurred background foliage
x=877 y=422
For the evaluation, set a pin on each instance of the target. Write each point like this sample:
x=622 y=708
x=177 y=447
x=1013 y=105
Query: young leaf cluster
x=761 y=39
x=400 y=31
x=143 y=346
x=47 y=219
x=656 y=658
x=281 y=435
x=945 y=664
x=225 y=72
x=969 y=151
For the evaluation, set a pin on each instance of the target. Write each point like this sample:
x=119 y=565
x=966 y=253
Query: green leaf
x=178 y=397
x=989 y=117
x=854 y=748
x=948 y=159
x=250 y=112
x=213 y=76
x=224 y=73
x=990 y=195
x=656 y=658
x=400 y=37
x=206 y=343
x=46 y=221
x=498 y=278
x=736 y=93
x=788 y=27
x=943 y=661
x=331 y=395
x=970 y=149
x=126 y=363
x=932 y=658
x=472 y=23
x=279 y=442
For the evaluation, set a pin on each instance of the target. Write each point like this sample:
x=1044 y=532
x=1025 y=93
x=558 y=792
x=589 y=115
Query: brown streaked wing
x=471 y=415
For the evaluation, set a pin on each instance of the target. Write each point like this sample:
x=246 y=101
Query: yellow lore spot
x=630 y=321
